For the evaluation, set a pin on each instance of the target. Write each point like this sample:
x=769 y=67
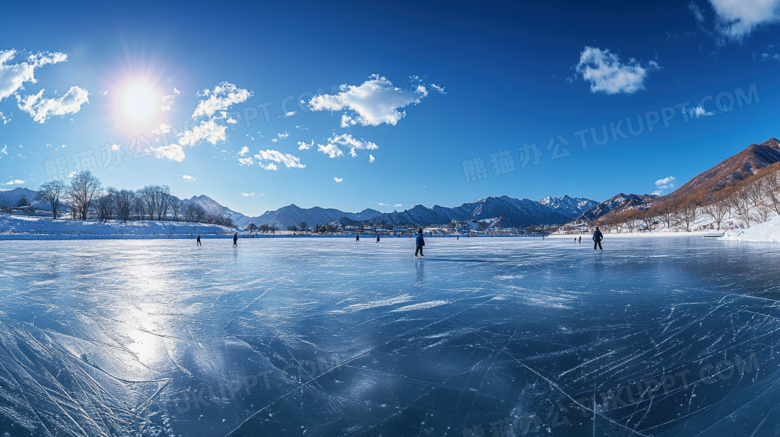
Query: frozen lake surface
x=327 y=337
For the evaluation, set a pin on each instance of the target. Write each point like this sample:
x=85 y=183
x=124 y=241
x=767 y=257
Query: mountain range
x=503 y=210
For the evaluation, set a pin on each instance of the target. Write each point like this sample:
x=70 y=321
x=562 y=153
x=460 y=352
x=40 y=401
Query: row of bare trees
x=85 y=196
x=751 y=200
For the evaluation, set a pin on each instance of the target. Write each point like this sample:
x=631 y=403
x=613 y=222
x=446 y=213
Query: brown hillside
x=736 y=168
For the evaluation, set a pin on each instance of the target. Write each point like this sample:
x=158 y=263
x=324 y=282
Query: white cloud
x=13 y=76
x=764 y=56
x=331 y=150
x=374 y=102
x=173 y=152
x=663 y=184
x=698 y=111
x=244 y=151
x=607 y=74
x=188 y=178
x=169 y=100
x=248 y=194
x=371 y=158
x=736 y=19
x=113 y=147
x=287 y=159
x=221 y=98
x=269 y=166
x=397 y=205
x=4 y=151
x=4 y=118
x=103 y=92
x=353 y=143
x=42 y=109
x=207 y=130
x=15 y=182
x=246 y=161
x=305 y=146
x=338 y=179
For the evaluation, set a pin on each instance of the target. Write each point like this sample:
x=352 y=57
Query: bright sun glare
x=140 y=100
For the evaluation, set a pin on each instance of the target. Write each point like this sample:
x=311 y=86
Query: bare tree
x=149 y=195
x=82 y=190
x=176 y=206
x=163 y=201
x=104 y=205
x=718 y=208
x=773 y=191
x=123 y=201
x=740 y=203
x=139 y=206
x=685 y=216
x=51 y=193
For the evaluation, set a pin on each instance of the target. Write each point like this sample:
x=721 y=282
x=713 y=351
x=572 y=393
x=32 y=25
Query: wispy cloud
x=15 y=182
x=42 y=109
x=169 y=100
x=252 y=194
x=14 y=76
x=188 y=178
x=287 y=159
x=337 y=179
x=221 y=98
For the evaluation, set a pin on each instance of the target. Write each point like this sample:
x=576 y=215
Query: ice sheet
x=320 y=337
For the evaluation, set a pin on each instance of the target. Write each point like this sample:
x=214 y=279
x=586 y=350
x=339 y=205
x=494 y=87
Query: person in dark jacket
x=357 y=237
x=597 y=237
x=420 y=244
x=580 y=238
x=377 y=238
x=235 y=240
x=199 y=241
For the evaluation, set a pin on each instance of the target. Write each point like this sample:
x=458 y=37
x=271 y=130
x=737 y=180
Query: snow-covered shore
x=767 y=231
x=36 y=228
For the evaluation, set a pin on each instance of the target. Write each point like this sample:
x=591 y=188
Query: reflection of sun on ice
x=139 y=101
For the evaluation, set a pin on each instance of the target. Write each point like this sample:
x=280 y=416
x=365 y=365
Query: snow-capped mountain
x=619 y=202
x=569 y=206
x=512 y=212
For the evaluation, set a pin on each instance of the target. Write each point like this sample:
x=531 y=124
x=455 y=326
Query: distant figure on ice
x=377 y=238
x=199 y=241
x=357 y=237
x=420 y=244
x=457 y=237
x=597 y=237
x=580 y=238
x=235 y=239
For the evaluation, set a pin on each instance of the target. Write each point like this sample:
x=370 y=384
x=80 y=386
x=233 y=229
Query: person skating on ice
x=357 y=237
x=199 y=241
x=420 y=243
x=235 y=240
x=597 y=237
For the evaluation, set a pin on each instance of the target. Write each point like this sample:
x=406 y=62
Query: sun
x=140 y=101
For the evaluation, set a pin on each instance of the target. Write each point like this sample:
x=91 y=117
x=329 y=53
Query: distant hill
x=11 y=197
x=283 y=217
x=292 y=215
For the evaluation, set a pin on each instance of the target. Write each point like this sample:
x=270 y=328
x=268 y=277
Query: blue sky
x=396 y=97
